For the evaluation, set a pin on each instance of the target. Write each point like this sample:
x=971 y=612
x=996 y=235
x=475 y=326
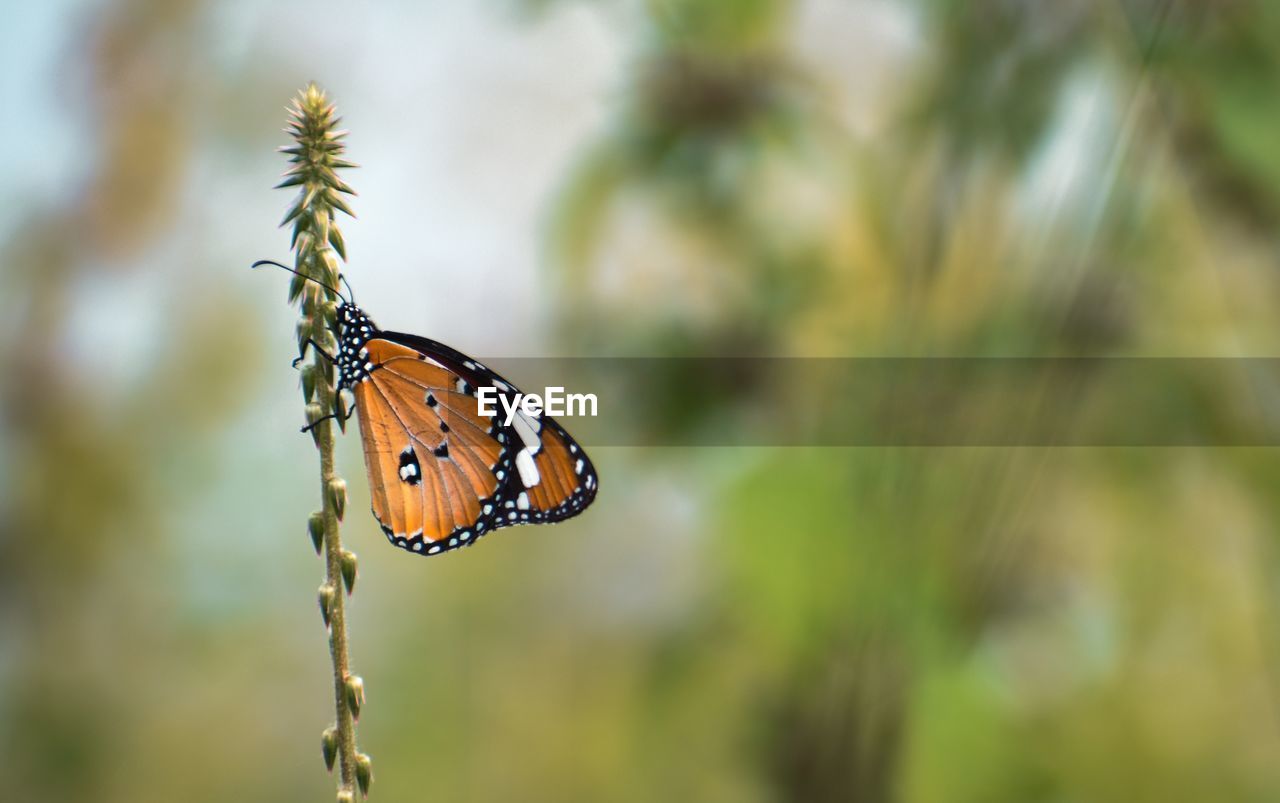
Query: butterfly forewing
x=430 y=457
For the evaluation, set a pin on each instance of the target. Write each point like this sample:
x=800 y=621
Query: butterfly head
x=354 y=330
x=352 y=317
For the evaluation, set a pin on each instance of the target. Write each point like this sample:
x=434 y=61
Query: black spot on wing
x=410 y=469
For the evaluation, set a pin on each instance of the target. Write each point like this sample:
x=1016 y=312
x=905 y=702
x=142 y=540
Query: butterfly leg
x=341 y=410
x=302 y=352
x=331 y=416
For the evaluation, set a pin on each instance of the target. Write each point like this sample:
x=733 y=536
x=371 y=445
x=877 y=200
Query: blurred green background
x=662 y=178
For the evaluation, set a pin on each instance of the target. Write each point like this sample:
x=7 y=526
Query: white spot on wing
x=527 y=468
x=522 y=501
x=528 y=430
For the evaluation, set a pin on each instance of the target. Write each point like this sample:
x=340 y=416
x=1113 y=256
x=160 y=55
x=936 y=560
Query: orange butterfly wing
x=431 y=459
x=553 y=477
x=440 y=474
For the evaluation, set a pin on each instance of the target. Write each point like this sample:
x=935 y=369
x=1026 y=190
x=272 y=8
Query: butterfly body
x=441 y=474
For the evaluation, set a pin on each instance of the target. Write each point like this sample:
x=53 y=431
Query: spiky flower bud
x=304 y=329
x=349 y=570
x=326 y=597
x=320 y=219
x=329 y=310
x=314 y=413
x=335 y=240
x=309 y=375
x=340 y=410
x=338 y=496
x=326 y=340
x=315 y=526
x=364 y=773
x=355 y=694
x=315 y=157
x=329 y=264
x=296 y=285
x=329 y=746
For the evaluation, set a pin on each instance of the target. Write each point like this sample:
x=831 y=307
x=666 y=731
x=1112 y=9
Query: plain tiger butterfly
x=440 y=474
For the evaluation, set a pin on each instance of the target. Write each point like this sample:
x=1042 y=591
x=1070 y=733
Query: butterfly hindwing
x=553 y=477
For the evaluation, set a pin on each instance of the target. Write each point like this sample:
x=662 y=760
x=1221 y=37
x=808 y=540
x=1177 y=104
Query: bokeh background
x=817 y=178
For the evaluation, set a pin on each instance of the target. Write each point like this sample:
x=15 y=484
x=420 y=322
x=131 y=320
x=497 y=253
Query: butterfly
x=442 y=475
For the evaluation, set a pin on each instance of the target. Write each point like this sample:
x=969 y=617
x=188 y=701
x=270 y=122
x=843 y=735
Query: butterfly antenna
x=347 y=285
x=333 y=290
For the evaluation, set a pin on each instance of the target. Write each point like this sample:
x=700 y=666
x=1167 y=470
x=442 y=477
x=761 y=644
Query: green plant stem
x=338 y=610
